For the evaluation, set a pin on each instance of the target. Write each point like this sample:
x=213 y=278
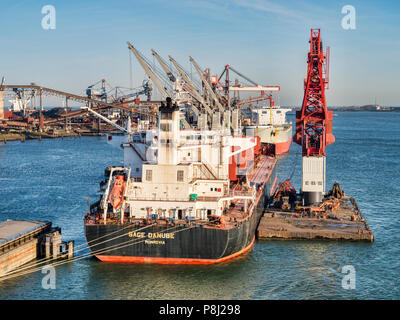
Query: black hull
x=172 y=244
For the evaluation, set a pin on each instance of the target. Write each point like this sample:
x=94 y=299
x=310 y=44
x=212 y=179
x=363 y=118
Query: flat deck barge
x=19 y=242
x=344 y=223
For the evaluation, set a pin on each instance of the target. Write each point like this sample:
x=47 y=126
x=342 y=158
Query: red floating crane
x=314 y=121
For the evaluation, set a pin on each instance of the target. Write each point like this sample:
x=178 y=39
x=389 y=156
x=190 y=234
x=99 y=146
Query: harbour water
x=50 y=180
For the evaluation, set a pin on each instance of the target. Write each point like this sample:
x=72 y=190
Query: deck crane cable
x=130 y=69
x=83 y=256
x=243 y=76
x=154 y=75
x=157 y=70
x=172 y=76
x=207 y=85
x=178 y=86
x=190 y=87
x=197 y=85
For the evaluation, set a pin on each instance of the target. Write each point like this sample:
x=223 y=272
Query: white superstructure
x=182 y=172
x=271 y=116
x=18 y=104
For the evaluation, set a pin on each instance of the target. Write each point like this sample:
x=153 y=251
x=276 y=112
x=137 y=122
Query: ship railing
x=144 y=198
x=242 y=193
x=207 y=173
x=210 y=168
x=104 y=200
x=199 y=198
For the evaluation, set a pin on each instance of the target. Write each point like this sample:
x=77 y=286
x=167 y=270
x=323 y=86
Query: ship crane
x=208 y=86
x=190 y=87
x=163 y=65
x=155 y=79
x=314 y=122
x=239 y=87
x=149 y=72
x=179 y=86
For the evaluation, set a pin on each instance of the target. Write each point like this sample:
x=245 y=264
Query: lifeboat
x=117 y=193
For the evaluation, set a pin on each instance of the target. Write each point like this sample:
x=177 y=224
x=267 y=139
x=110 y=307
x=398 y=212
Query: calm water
x=50 y=180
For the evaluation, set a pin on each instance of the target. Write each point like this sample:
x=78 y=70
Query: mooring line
x=119 y=246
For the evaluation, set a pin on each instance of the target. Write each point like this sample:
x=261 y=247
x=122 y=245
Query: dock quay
x=343 y=223
x=22 y=241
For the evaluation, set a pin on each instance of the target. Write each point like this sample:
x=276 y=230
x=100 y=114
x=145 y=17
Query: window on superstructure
x=166 y=115
x=149 y=175
x=165 y=127
x=179 y=175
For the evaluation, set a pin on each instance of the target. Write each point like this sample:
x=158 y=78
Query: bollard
x=70 y=249
x=47 y=249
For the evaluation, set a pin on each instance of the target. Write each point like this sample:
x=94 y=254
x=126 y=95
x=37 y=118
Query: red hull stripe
x=283 y=147
x=123 y=259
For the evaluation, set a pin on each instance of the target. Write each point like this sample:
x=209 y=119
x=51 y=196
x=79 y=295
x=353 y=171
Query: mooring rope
x=47 y=260
x=18 y=273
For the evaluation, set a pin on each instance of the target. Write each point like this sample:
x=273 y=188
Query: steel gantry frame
x=314 y=121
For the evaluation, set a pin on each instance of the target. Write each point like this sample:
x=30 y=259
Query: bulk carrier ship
x=182 y=196
x=271 y=126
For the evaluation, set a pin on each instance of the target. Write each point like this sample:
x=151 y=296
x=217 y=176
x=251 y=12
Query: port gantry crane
x=227 y=88
x=314 y=122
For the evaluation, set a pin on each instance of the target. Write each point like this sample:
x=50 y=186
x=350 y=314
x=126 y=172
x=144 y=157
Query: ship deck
x=260 y=174
x=11 y=230
x=344 y=223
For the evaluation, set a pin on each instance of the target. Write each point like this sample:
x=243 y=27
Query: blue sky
x=266 y=40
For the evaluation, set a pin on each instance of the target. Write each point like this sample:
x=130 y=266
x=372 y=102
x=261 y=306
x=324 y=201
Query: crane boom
x=108 y=120
x=192 y=90
x=149 y=72
x=243 y=76
x=210 y=90
x=164 y=66
x=183 y=74
x=173 y=79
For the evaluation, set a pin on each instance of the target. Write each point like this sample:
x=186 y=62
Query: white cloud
x=267 y=6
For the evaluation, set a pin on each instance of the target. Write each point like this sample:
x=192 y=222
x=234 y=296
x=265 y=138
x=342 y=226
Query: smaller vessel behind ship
x=269 y=123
